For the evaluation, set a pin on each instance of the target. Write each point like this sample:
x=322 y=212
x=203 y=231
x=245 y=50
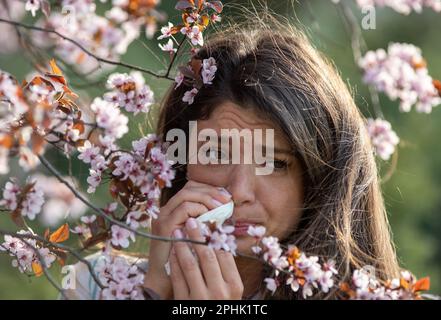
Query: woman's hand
x=192 y=200
x=215 y=276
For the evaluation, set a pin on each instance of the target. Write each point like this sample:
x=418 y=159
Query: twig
x=100 y=212
x=88 y=52
x=58 y=246
x=174 y=56
x=358 y=45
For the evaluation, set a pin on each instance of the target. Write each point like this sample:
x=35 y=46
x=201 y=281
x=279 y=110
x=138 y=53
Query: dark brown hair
x=272 y=67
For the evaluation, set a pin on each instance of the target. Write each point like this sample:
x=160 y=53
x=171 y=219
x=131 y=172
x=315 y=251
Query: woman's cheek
x=210 y=174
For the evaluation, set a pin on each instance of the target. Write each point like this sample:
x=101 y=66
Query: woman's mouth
x=241 y=228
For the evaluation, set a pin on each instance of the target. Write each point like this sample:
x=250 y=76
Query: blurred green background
x=412 y=194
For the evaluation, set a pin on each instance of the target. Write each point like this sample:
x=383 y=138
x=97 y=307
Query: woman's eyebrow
x=281 y=150
x=276 y=149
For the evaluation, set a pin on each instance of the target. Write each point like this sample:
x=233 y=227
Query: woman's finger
x=228 y=267
x=209 y=196
x=207 y=257
x=180 y=287
x=189 y=266
x=186 y=210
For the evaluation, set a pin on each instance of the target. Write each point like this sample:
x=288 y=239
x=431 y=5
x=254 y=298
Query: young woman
x=322 y=196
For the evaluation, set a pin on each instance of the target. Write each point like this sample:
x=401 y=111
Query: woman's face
x=273 y=200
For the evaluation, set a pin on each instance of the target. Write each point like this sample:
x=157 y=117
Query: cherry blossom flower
x=136 y=219
x=178 y=79
x=24 y=252
x=33 y=203
x=110 y=118
x=168 y=47
x=130 y=92
x=88 y=152
x=33 y=6
x=189 y=96
x=194 y=34
x=256 y=231
x=10 y=195
x=221 y=238
x=122 y=280
x=98 y=34
x=383 y=138
x=365 y=286
x=401 y=73
x=166 y=31
x=28 y=203
x=88 y=219
x=271 y=284
x=209 y=69
x=120 y=236
x=93 y=180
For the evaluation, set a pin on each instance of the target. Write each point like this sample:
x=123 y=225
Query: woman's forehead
x=229 y=115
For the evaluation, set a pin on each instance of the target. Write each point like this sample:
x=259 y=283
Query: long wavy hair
x=268 y=64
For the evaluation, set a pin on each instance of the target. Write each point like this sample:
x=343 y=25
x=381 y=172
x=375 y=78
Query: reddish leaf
x=422 y=284
x=55 y=69
x=17 y=218
x=79 y=125
x=46 y=234
x=6 y=141
x=437 y=85
x=184 y=4
x=216 y=5
x=36 y=267
x=38 y=143
x=61 y=257
x=60 y=235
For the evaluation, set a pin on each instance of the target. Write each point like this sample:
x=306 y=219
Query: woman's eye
x=278 y=164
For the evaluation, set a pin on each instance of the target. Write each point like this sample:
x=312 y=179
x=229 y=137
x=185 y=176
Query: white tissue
x=219 y=214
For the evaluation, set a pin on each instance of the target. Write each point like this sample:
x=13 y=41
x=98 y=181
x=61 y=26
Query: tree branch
x=358 y=46
x=58 y=246
x=88 y=52
x=100 y=212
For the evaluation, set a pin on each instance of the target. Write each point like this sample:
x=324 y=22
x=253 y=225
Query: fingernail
x=178 y=233
x=225 y=192
x=191 y=223
x=216 y=203
x=167 y=268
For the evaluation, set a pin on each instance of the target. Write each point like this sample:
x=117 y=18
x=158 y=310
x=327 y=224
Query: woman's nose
x=241 y=184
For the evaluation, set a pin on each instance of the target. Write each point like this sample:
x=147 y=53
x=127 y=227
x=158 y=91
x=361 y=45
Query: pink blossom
x=166 y=31
x=130 y=92
x=178 y=79
x=383 y=138
x=33 y=6
x=168 y=47
x=88 y=152
x=122 y=280
x=209 y=69
x=271 y=284
x=120 y=236
x=189 y=96
x=401 y=74
x=256 y=231
x=88 y=219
